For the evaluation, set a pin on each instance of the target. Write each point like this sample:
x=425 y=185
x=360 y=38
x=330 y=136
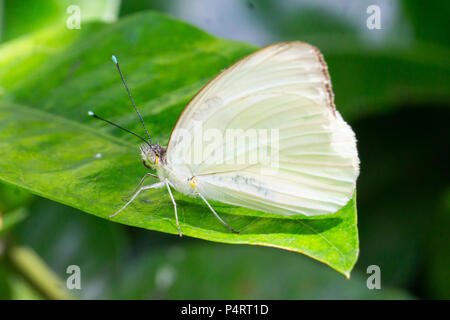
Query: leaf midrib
x=75 y=124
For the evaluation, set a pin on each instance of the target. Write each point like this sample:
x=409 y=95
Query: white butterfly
x=283 y=89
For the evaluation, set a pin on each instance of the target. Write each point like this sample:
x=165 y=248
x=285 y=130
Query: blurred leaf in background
x=372 y=71
x=119 y=262
x=436 y=281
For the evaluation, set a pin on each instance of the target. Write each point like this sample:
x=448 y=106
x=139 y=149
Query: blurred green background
x=391 y=84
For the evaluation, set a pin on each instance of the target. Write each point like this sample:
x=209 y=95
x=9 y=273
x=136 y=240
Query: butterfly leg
x=140 y=184
x=152 y=186
x=217 y=216
x=175 y=207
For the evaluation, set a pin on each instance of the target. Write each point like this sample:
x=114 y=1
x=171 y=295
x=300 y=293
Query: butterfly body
x=154 y=158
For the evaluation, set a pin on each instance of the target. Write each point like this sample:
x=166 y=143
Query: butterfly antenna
x=131 y=98
x=92 y=114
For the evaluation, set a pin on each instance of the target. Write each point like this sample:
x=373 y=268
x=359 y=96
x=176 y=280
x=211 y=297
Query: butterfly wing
x=304 y=158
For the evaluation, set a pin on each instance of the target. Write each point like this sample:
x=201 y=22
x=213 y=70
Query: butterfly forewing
x=265 y=134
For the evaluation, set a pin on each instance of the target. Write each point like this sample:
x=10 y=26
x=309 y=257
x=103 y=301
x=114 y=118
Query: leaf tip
x=347 y=275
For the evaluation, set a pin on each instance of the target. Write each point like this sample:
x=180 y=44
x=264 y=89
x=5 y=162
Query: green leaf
x=12 y=197
x=50 y=146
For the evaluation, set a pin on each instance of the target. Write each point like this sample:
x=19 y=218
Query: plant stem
x=35 y=271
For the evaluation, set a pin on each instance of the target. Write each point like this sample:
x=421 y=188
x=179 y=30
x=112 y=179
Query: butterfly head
x=152 y=155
